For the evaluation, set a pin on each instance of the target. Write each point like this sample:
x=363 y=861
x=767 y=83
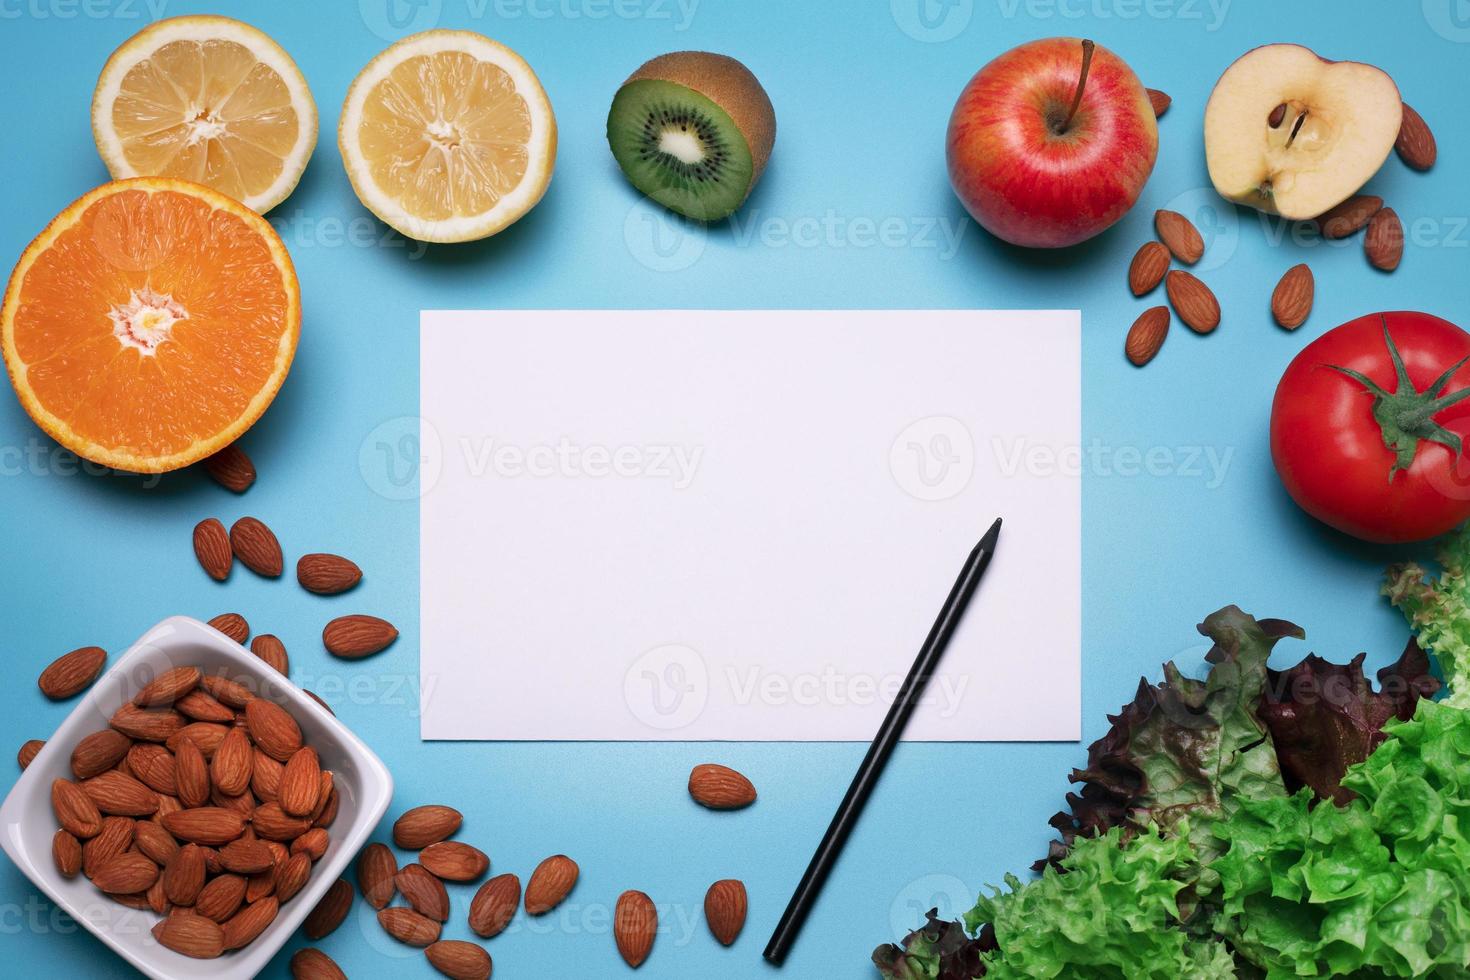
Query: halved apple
x=1291 y=133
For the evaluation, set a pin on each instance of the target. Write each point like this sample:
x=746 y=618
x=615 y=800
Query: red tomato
x=1332 y=431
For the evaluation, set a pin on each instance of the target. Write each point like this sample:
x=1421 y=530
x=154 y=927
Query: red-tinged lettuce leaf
x=1184 y=749
x=937 y=950
x=1325 y=717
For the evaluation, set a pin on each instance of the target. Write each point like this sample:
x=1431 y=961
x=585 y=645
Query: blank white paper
x=712 y=525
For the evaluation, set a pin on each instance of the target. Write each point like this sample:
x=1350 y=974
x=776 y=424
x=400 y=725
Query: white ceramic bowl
x=27 y=823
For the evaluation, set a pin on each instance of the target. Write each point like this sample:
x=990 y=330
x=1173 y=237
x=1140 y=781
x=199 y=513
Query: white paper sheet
x=693 y=525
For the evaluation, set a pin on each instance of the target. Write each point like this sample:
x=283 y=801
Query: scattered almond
x=720 y=787
x=635 y=924
x=454 y=861
x=330 y=912
x=1147 y=335
x=725 y=905
x=71 y=673
x=1384 y=242
x=1180 y=235
x=66 y=851
x=1147 y=269
x=550 y=884
x=212 y=548
x=459 y=960
x=256 y=547
x=232 y=625
x=1192 y=301
x=1159 y=101
x=192 y=935
x=408 y=926
x=313 y=964
x=270 y=649
x=424 y=893
x=1291 y=301
x=376 y=869
x=351 y=637
x=1348 y=217
x=28 y=752
x=99 y=752
x=494 y=905
x=327 y=574
x=1415 y=144
x=425 y=825
x=231 y=468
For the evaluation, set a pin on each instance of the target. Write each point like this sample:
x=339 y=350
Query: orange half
x=151 y=323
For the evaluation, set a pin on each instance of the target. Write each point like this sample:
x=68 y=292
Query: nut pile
x=1192 y=300
x=200 y=802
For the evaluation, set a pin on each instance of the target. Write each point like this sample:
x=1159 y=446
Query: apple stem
x=1087 y=48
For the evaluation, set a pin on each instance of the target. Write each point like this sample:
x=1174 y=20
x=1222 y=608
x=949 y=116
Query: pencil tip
x=991 y=536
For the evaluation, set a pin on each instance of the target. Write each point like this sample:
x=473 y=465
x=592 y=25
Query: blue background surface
x=863 y=92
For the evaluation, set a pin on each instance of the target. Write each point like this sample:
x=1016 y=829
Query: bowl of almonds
x=194 y=807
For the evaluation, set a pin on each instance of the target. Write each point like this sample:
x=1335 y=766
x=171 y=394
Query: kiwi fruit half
x=693 y=131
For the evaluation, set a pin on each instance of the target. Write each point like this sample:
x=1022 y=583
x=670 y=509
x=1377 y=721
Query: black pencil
x=883 y=745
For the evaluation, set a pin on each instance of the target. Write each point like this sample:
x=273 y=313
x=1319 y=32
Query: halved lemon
x=448 y=136
x=209 y=100
x=151 y=323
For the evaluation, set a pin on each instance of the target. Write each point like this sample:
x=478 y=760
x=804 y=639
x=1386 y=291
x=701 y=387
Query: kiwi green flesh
x=650 y=118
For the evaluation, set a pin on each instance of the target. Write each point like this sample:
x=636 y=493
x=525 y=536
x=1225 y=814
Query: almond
x=191 y=773
x=99 y=752
x=66 y=851
x=246 y=857
x=318 y=699
x=270 y=649
x=1147 y=269
x=192 y=935
x=71 y=673
x=1346 y=218
x=273 y=728
x=291 y=876
x=1180 y=235
x=221 y=897
x=167 y=687
x=265 y=777
x=260 y=885
x=232 y=625
x=256 y=547
x=147 y=724
x=211 y=825
x=327 y=808
x=635 y=924
x=425 y=825
x=1384 y=243
x=125 y=874
x=183 y=876
x=494 y=905
x=200 y=705
x=459 y=960
x=273 y=823
x=205 y=735
x=313 y=844
x=158 y=844
x=725 y=905
x=75 y=810
x=330 y=912
x=1415 y=144
x=453 y=861
x=720 y=788
x=1292 y=299
x=300 y=783
x=351 y=637
x=212 y=548
x=229 y=693
x=154 y=766
x=1159 y=101
x=424 y=893
x=231 y=468
x=550 y=883
x=327 y=574
x=376 y=869
x=157 y=900
x=28 y=752
x=230 y=768
x=1147 y=335
x=1192 y=301
x=244 y=926
x=313 y=964
x=116 y=838
x=166 y=805
x=408 y=927
x=116 y=793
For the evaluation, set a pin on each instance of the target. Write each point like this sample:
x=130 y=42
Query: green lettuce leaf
x=1438 y=610
x=1376 y=888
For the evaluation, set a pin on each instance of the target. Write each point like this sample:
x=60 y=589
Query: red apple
x=1052 y=142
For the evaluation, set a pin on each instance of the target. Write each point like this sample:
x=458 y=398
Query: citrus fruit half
x=206 y=99
x=447 y=136
x=151 y=323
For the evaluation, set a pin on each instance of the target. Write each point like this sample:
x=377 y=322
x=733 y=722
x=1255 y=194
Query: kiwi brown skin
x=731 y=86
